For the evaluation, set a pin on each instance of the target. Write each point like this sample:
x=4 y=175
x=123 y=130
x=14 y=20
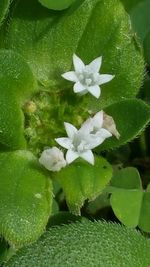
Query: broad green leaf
x=25 y=197
x=147 y=47
x=140 y=18
x=4 y=7
x=129 y=201
x=48 y=39
x=81 y=181
x=57 y=4
x=127 y=205
x=144 y=222
x=131 y=117
x=17 y=83
x=129 y=4
x=127 y=178
x=86 y=244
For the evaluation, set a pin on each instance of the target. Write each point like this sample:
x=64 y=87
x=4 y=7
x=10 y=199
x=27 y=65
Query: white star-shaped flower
x=87 y=77
x=80 y=143
x=52 y=159
x=99 y=121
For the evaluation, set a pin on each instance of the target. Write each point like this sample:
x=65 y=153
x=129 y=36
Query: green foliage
x=129 y=4
x=25 y=198
x=131 y=117
x=16 y=84
x=49 y=48
x=86 y=244
x=140 y=18
x=129 y=201
x=147 y=47
x=57 y=4
x=81 y=181
x=4 y=7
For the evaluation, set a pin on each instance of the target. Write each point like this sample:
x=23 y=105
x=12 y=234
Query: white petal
x=87 y=126
x=71 y=156
x=70 y=76
x=88 y=156
x=105 y=78
x=95 y=90
x=78 y=64
x=98 y=119
x=64 y=142
x=104 y=133
x=70 y=129
x=95 y=64
x=78 y=87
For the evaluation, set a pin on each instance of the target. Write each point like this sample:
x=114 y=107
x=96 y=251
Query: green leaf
x=17 y=83
x=81 y=181
x=86 y=244
x=144 y=222
x=48 y=39
x=25 y=198
x=4 y=7
x=129 y=201
x=147 y=47
x=140 y=18
x=57 y=4
x=131 y=117
x=129 y=4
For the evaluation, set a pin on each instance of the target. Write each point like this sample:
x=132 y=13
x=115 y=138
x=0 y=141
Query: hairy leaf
x=16 y=84
x=25 y=198
x=86 y=244
x=81 y=181
x=131 y=117
x=4 y=7
x=48 y=39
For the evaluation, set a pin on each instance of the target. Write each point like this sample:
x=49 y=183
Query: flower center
x=88 y=78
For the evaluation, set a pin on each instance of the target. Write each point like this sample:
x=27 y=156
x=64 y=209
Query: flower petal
x=98 y=119
x=95 y=64
x=105 y=78
x=70 y=76
x=104 y=133
x=94 y=140
x=95 y=90
x=64 y=142
x=78 y=64
x=87 y=126
x=78 y=87
x=88 y=156
x=71 y=156
x=70 y=129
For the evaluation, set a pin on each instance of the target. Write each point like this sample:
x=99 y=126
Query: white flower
x=80 y=142
x=87 y=77
x=101 y=121
x=52 y=159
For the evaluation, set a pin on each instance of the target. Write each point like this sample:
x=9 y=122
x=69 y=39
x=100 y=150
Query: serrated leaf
x=25 y=198
x=17 y=83
x=4 y=7
x=81 y=181
x=58 y=35
x=131 y=117
x=129 y=201
x=57 y=4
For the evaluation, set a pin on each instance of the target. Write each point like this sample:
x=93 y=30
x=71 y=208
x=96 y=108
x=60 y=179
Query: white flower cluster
x=93 y=131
